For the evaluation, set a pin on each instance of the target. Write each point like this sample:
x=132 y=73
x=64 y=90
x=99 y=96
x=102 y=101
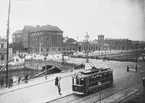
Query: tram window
x=90 y=80
x=101 y=76
x=97 y=77
x=107 y=75
x=82 y=81
x=74 y=80
x=93 y=78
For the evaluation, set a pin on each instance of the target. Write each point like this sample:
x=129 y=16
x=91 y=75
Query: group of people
x=57 y=84
x=11 y=81
x=128 y=68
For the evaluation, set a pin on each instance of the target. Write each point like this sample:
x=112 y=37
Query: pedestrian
x=59 y=89
x=26 y=78
x=2 y=82
x=19 y=79
x=56 y=81
x=136 y=67
x=11 y=82
x=127 y=68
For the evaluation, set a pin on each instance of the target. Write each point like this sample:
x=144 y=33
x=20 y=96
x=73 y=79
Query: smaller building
x=3 y=50
x=17 y=36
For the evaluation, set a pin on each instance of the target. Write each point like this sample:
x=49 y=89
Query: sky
x=111 y=18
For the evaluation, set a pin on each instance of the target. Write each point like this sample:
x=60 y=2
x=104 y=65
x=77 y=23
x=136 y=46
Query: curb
x=59 y=97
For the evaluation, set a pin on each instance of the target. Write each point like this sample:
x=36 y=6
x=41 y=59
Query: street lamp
x=45 y=68
x=87 y=38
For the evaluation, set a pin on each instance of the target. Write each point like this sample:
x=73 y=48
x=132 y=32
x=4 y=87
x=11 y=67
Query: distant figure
x=11 y=81
x=19 y=79
x=2 y=82
x=26 y=78
x=136 y=67
x=127 y=68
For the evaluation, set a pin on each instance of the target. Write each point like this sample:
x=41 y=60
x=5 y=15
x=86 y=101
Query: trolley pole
x=7 y=57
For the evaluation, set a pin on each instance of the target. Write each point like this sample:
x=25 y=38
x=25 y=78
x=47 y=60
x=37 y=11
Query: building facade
x=42 y=38
x=46 y=39
x=69 y=44
x=119 y=44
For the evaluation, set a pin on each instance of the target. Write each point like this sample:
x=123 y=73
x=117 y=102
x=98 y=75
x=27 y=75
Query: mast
x=7 y=57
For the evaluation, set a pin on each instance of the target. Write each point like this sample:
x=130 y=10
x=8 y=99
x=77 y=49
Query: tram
x=85 y=81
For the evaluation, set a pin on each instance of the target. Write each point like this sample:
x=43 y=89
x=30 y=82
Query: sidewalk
x=51 y=98
x=33 y=82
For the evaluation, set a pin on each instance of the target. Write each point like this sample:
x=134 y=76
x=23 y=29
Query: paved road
x=123 y=80
x=48 y=90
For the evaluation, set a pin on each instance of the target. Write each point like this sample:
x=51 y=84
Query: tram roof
x=90 y=72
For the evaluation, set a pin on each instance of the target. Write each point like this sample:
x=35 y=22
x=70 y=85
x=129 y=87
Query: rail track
x=120 y=86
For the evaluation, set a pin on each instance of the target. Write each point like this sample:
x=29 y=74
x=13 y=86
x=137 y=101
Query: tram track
x=79 y=99
x=104 y=91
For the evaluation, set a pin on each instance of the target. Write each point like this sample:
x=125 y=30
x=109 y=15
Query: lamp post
x=62 y=49
x=87 y=51
x=7 y=57
x=45 y=68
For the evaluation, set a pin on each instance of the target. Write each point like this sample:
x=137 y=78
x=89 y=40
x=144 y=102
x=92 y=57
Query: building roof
x=42 y=28
x=69 y=40
x=18 y=32
x=93 y=42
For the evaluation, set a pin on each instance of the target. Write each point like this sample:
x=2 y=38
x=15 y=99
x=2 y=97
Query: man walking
x=57 y=83
x=19 y=79
x=136 y=67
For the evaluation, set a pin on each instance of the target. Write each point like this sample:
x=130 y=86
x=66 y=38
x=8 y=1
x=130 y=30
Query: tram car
x=87 y=80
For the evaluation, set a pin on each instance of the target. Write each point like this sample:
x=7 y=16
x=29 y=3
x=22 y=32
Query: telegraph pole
x=7 y=57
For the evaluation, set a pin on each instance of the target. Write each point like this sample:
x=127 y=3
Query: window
x=2 y=57
x=17 y=60
x=82 y=81
x=2 y=45
x=47 y=49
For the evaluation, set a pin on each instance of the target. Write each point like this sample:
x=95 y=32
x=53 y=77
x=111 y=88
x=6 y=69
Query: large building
x=42 y=38
x=46 y=39
x=119 y=44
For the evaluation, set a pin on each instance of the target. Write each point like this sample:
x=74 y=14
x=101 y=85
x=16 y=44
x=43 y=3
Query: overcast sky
x=112 y=18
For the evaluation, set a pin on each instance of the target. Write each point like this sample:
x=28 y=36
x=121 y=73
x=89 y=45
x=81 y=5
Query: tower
x=101 y=39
